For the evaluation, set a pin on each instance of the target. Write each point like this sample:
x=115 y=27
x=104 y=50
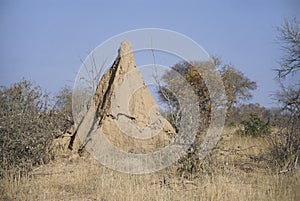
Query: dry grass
x=232 y=172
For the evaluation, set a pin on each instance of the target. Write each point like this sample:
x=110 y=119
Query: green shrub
x=255 y=126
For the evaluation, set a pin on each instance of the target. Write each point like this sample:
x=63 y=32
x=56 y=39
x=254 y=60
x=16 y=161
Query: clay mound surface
x=123 y=112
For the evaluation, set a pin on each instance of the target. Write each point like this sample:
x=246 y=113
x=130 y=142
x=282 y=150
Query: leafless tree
x=289 y=38
x=286 y=143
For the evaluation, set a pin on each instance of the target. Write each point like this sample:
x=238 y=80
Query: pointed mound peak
x=125 y=48
x=126 y=57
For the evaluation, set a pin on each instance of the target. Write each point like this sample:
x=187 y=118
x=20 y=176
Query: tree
x=238 y=87
x=286 y=145
x=177 y=81
x=289 y=37
x=184 y=75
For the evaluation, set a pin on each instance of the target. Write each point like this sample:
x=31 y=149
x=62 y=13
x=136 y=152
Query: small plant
x=255 y=126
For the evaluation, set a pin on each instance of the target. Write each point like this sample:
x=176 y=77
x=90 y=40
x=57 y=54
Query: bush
x=255 y=126
x=28 y=124
x=285 y=143
x=285 y=140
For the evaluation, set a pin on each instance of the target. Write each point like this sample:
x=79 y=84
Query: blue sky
x=44 y=40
